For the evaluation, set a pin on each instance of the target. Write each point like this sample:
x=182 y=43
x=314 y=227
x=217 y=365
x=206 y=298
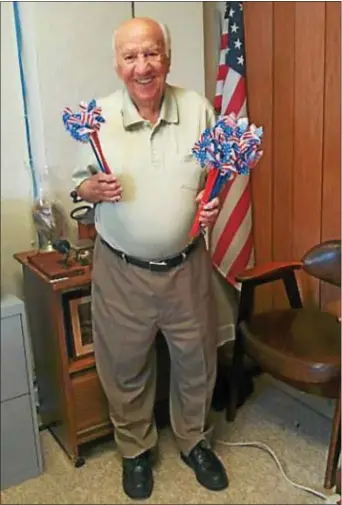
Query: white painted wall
x=16 y=189
x=15 y=176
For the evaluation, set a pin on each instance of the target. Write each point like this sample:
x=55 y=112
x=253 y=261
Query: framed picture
x=81 y=325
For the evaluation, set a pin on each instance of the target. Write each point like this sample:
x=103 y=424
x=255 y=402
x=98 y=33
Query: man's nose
x=142 y=64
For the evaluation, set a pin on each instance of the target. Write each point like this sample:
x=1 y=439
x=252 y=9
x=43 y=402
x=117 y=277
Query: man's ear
x=169 y=60
x=117 y=68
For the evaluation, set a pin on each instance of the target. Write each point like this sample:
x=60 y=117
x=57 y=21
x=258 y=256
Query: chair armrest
x=268 y=272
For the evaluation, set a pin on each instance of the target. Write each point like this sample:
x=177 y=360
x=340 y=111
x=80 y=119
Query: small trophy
x=49 y=222
x=48 y=216
x=45 y=224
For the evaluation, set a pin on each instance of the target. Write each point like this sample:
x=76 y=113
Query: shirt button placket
x=155 y=156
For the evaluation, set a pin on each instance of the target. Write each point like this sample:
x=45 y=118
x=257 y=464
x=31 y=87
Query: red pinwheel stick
x=95 y=138
x=211 y=179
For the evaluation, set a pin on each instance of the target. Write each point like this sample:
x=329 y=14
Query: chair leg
x=235 y=377
x=334 y=447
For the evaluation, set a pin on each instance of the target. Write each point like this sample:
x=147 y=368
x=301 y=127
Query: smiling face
x=141 y=61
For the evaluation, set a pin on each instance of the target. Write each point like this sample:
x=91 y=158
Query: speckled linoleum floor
x=297 y=434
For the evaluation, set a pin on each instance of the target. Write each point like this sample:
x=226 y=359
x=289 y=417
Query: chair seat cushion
x=302 y=345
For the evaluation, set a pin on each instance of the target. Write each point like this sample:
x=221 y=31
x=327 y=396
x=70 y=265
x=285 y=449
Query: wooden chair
x=299 y=346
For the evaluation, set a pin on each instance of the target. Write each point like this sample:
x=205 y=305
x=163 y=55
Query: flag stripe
x=237 y=97
x=230 y=200
x=232 y=225
x=231 y=239
x=224 y=40
x=233 y=92
x=222 y=73
x=232 y=79
x=237 y=246
x=217 y=103
x=243 y=260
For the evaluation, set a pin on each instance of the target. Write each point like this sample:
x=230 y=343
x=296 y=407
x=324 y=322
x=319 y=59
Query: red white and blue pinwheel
x=84 y=126
x=229 y=149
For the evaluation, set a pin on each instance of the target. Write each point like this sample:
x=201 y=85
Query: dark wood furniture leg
x=245 y=309
x=334 y=447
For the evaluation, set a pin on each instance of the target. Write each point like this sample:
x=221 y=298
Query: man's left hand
x=210 y=210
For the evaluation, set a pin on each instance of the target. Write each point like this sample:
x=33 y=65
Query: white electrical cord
x=264 y=447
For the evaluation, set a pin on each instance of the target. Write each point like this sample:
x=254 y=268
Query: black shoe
x=137 y=477
x=208 y=468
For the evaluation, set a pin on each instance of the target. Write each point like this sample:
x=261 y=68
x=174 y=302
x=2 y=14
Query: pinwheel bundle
x=84 y=125
x=230 y=149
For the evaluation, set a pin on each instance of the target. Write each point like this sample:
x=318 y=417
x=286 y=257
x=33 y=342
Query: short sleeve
x=86 y=165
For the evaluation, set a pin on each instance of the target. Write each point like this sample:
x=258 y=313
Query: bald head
x=137 y=28
x=142 y=62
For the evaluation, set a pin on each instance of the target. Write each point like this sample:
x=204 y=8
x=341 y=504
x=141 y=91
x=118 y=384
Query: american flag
x=231 y=239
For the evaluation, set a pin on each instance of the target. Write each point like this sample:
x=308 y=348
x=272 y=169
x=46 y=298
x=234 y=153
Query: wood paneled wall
x=293 y=56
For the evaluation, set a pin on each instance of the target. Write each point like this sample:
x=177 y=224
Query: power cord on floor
x=264 y=447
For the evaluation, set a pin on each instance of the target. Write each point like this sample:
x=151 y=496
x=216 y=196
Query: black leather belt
x=156 y=266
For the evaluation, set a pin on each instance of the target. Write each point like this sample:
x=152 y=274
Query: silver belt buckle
x=159 y=263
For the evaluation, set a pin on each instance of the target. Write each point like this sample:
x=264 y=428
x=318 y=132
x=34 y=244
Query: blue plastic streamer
x=24 y=95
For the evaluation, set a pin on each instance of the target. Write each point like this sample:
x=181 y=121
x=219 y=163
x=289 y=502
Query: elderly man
x=147 y=275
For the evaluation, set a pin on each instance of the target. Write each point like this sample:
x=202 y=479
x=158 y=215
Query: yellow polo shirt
x=158 y=173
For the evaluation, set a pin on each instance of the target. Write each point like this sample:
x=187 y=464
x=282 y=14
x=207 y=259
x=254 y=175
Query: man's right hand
x=100 y=188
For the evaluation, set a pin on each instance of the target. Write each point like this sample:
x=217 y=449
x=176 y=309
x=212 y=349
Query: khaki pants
x=129 y=304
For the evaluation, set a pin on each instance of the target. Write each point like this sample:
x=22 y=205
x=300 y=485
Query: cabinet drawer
x=14 y=380
x=20 y=450
x=91 y=406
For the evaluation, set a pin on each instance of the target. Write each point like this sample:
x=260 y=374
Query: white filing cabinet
x=21 y=457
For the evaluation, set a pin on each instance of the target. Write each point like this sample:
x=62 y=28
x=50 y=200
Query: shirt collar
x=168 y=111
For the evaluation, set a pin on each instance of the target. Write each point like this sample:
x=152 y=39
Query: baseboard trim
x=324 y=406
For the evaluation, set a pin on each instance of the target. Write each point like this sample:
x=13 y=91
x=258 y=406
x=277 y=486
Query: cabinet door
x=91 y=406
x=14 y=381
x=19 y=456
